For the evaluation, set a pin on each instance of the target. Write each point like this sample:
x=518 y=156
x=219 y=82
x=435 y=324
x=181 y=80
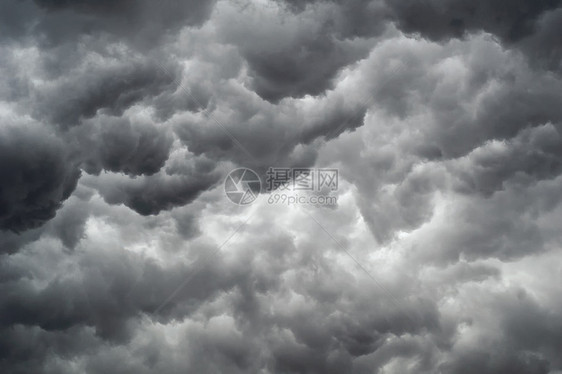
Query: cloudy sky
x=121 y=253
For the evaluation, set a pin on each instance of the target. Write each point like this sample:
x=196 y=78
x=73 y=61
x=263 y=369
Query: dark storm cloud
x=302 y=68
x=348 y=18
x=544 y=44
x=530 y=26
x=509 y=20
x=448 y=145
x=90 y=80
x=87 y=84
x=294 y=56
x=67 y=225
x=36 y=176
x=117 y=145
x=109 y=143
x=173 y=186
x=99 y=87
x=141 y=22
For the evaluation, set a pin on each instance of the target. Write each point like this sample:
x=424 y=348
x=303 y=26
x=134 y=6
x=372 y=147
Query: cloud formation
x=119 y=252
x=37 y=176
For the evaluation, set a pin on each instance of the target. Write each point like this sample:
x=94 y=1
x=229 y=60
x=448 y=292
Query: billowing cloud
x=120 y=253
x=37 y=175
x=118 y=145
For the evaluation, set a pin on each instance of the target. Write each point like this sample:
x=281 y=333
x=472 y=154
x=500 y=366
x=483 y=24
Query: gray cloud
x=118 y=145
x=36 y=174
x=293 y=56
x=119 y=252
x=150 y=194
x=110 y=90
x=142 y=23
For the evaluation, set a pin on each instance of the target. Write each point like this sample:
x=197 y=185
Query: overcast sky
x=120 y=251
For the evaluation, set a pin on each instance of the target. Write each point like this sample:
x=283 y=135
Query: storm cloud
x=121 y=253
